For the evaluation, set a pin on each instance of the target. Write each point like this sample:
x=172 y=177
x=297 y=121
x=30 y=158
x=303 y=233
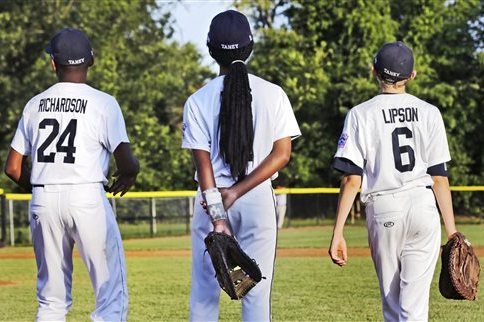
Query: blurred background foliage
x=320 y=52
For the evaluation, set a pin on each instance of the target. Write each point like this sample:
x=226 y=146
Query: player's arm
x=438 y=149
x=16 y=168
x=206 y=180
x=275 y=161
x=349 y=187
x=444 y=200
x=349 y=161
x=127 y=169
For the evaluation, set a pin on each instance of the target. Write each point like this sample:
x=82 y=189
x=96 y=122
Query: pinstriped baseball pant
x=62 y=215
x=404 y=235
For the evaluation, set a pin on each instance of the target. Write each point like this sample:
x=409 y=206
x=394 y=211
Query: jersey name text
x=407 y=114
x=56 y=104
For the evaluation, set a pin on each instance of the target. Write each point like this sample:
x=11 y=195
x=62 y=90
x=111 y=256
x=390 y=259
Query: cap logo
x=389 y=72
x=234 y=46
x=76 y=61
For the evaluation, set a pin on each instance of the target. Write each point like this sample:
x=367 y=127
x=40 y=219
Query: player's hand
x=221 y=226
x=338 y=251
x=450 y=233
x=229 y=196
x=122 y=183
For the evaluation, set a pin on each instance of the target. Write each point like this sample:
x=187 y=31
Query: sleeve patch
x=342 y=140
x=184 y=127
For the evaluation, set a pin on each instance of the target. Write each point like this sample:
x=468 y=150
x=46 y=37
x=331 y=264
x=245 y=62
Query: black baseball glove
x=235 y=271
x=459 y=277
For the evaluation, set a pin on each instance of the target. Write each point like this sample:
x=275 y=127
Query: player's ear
x=373 y=70
x=92 y=62
x=413 y=74
x=53 y=66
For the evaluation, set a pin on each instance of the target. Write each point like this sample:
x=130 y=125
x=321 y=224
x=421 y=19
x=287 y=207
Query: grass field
x=305 y=288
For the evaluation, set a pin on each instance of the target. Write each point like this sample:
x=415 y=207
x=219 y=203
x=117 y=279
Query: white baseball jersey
x=272 y=115
x=70 y=130
x=394 y=139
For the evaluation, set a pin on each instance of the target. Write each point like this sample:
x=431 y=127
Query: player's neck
x=391 y=89
x=72 y=76
x=72 y=79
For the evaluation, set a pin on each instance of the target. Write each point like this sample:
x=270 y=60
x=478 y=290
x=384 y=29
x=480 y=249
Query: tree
x=321 y=56
x=320 y=52
x=135 y=60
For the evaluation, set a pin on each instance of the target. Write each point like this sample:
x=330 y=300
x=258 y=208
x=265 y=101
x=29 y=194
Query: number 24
x=68 y=149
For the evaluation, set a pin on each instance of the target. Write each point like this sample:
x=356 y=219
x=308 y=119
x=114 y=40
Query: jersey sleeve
x=438 y=170
x=114 y=127
x=21 y=140
x=346 y=166
x=285 y=121
x=195 y=132
x=437 y=148
x=350 y=143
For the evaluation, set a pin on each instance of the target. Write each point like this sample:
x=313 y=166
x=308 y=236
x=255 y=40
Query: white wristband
x=215 y=206
x=212 y=196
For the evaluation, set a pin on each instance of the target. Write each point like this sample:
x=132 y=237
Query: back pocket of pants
x=386 y=210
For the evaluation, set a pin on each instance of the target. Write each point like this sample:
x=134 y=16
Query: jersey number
x=399 y=150
x=68 y=149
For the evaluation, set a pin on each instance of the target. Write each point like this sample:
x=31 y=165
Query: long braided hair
x=235 y=120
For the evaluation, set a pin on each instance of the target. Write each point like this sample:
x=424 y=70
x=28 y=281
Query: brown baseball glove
x=459 y=277
x=236 y=272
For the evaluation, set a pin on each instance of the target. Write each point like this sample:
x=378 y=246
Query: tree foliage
x=321 y=55
x=135 y=60
x=320 y=52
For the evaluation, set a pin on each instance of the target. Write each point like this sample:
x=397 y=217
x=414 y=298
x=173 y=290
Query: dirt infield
x=282 y=252
x=5 y=283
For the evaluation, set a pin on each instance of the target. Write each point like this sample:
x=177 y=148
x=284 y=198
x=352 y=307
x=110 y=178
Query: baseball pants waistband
x=65 y=187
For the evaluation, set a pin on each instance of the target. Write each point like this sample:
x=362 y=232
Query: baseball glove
x=459 y=277
x=235 y=271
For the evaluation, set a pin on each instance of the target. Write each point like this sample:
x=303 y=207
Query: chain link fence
x=169 y=213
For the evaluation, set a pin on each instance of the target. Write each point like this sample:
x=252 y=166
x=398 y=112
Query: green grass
x=305 y=288
x=141 y=229
x=307 y=237
x=128 y=231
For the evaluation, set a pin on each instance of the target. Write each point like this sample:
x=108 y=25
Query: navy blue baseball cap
x=70 y=47
x=229 y=30
x=394 y=62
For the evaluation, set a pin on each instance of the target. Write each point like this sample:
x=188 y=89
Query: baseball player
x=239 y=128
x=69 y=131
x=394 y=146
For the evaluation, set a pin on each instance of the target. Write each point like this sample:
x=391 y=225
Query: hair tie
x=237 y=61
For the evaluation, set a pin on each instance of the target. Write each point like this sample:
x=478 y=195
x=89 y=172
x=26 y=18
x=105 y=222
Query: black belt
x=37 y=185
